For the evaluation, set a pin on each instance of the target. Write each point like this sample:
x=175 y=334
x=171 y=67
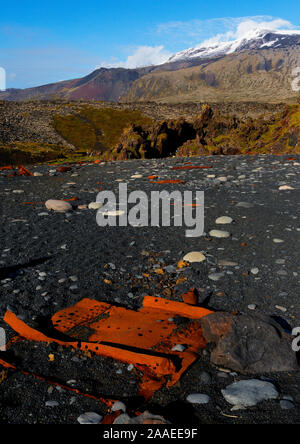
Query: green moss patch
x=96 y=130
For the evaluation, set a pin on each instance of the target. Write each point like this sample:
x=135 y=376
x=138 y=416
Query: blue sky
x=58 y=40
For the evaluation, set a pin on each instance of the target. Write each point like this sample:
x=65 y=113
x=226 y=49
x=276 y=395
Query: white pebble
x=60 y=206
x=95 y=205
x=114 y=213
x=179 y=348
x=279 y=307
x=286 y=187
x=224 y=220
x=194 y=256
x=219 y=233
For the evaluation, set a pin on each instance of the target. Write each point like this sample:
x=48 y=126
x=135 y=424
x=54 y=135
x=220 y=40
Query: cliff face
x=212 y=133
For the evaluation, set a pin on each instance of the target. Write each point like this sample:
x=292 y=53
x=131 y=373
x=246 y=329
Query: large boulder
x=248 y=344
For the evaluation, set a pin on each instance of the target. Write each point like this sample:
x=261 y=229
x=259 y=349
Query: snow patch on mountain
x=254 y=39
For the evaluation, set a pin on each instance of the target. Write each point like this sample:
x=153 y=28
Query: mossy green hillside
x=96 y=130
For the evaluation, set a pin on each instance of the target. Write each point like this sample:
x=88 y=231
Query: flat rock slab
x=249 y=392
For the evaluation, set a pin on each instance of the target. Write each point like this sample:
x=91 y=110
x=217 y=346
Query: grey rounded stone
x=198 y=398
x=245 y=205
x=249 y=392
x=118 y=406
x=215 y=276
x=122 y=419
x=51 y=404
x=89 y=418
x=205 y=378
x=286 y=405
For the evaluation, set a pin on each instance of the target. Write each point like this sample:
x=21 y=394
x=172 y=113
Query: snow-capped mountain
x=266 y=74
x=254 y=40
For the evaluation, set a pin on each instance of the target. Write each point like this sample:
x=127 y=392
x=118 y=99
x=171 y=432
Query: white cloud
x=199 y=32
x=179 y=35
x=273 y=25
x=142 y=56
x=248 y=25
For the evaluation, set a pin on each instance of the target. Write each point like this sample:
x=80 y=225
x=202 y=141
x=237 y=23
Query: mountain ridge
x=256 y=39
x=264 y=60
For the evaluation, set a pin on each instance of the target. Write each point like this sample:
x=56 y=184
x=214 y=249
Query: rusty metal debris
x=144 y=338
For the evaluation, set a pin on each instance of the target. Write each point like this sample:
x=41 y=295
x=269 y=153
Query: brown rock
x=216 y=325
x=248 y=344
x=63 y=169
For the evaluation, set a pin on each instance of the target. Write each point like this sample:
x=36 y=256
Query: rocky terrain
x=33 y=132
x=258 y=76
x=244 y=269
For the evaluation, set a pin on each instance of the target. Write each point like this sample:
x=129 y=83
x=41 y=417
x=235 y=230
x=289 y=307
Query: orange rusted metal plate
x=23 y=171
x=144 y=338
x=167 y=181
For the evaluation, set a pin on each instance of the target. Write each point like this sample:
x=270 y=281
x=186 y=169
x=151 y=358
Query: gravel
x=59 y=249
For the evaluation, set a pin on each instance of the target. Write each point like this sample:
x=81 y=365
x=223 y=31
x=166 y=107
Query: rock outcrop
x=211 y=132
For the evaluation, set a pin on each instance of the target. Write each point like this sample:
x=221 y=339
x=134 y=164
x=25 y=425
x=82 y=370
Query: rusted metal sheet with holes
x=144 y=338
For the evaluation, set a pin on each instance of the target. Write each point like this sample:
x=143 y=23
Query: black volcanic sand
x=35 y=240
